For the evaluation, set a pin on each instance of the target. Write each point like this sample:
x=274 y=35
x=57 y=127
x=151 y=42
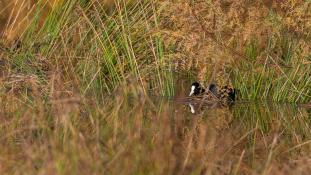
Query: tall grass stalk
x=273 y=78
x=99 y=49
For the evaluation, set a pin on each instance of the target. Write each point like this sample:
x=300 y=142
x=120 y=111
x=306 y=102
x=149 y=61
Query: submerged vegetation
x=82 y=81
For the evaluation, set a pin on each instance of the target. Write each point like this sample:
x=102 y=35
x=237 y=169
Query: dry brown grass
x=17 y=15
x=209 y=37
x=130 y=133
x=65 y=110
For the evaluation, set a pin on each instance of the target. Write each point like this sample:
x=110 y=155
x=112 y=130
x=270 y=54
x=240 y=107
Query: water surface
x=247 y=137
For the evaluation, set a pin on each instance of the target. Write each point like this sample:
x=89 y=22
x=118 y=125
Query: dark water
x=257 y=137
x=159 y=135
x=260 y=137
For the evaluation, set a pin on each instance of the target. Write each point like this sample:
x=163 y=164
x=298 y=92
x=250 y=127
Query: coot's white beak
x=192 y=90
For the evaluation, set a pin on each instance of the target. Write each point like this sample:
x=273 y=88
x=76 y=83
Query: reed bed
x=80 y=90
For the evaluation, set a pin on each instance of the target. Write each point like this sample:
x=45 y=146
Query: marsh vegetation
x=93 y=87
